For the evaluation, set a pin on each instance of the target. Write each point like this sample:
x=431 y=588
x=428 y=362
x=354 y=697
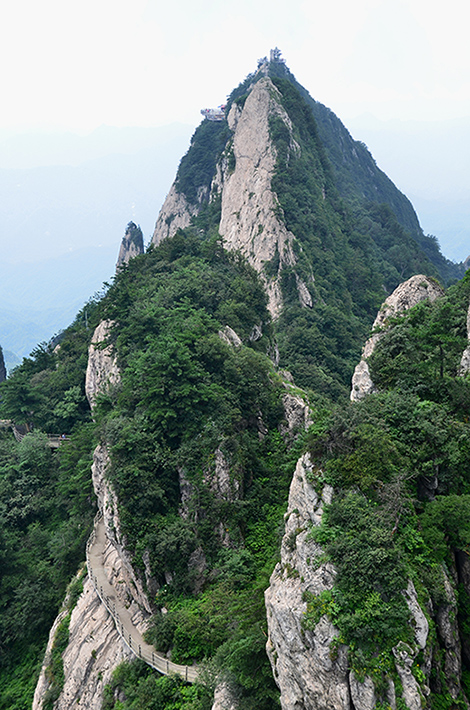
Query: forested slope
x=205 y=426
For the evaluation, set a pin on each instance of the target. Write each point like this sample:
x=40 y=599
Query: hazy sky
x=81 y=64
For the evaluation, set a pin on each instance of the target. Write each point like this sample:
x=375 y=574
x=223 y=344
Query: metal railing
x=54 y=440
x=138 y=648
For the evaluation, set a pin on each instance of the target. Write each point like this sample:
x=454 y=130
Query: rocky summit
x=239 y=478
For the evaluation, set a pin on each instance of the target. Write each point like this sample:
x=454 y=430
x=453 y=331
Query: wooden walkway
x=122 y=618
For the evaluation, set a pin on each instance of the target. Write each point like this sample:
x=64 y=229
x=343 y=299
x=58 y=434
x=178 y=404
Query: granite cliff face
x=416 y=289
x=176 y=213
x=3 y=370
x=465 y=361
x=132 y=245
x=102 y=370
x=95 y=648
x=303 y=669
x=249 y=219
x=309 y=665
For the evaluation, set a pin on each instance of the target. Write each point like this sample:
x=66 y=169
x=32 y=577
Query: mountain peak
x=282 y=181
x=132 y=245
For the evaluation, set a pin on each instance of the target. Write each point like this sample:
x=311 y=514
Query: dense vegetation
x=189 y=402
x=360 y=181
x=398 y=462
x=356 y=234
x=197 y=167
x=352 y=253
x=46 y=501
x=200 y=455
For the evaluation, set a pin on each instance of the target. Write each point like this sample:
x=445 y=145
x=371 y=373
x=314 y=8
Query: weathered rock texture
x=303 y=668
x=93 y=652
x=249 y=217
x=132 y=245
x=406 y=295
x=224 y=698
x=248 y=221
x=465 y=361
x=102 y=370
x=175 y=214
x=229 y=336
x=95 y=648
x=296 y=408
x=3 y=369
x=221 y=480
x=309 y=675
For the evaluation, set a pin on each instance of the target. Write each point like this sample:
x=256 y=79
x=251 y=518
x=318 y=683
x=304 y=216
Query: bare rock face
x=95 y=648
x=362 y=694
x=406 y=295
x=93 y=652
x=102 y=370
x=132 y=245
x=229 y=336
x=465 y=361
x=249 y=222
x=309 y=666
x=420 y=622
x=3 y=369
x=224 y=698
x=250 y=219
x=220 y=480
x=404 y=656
x=296 y=412
x=117 y=562
x=304 y=669
x=448 y=631
x=175 y=214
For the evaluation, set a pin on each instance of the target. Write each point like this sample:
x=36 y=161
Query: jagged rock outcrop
x=132 y=245
x=404 y=656
x=95 y=647
x=3 y=369
x=249 y=222
x=448 y=631
x=306 y=673
x=220 y=480
x=465 y=361
x=416 y=289
x=176 y=213
x=116 y=559
x=296 y=409
x=229 y=336
x=309 y=675
x=93 y=652
x=224 y=698
x=249 y=207
x=102 y=369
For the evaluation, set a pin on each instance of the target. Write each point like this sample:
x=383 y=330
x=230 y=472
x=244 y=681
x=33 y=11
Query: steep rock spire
x=3 y=370
x=132 y=245
x=251 y=219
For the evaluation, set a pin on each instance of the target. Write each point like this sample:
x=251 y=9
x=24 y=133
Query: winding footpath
x=122 y=618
